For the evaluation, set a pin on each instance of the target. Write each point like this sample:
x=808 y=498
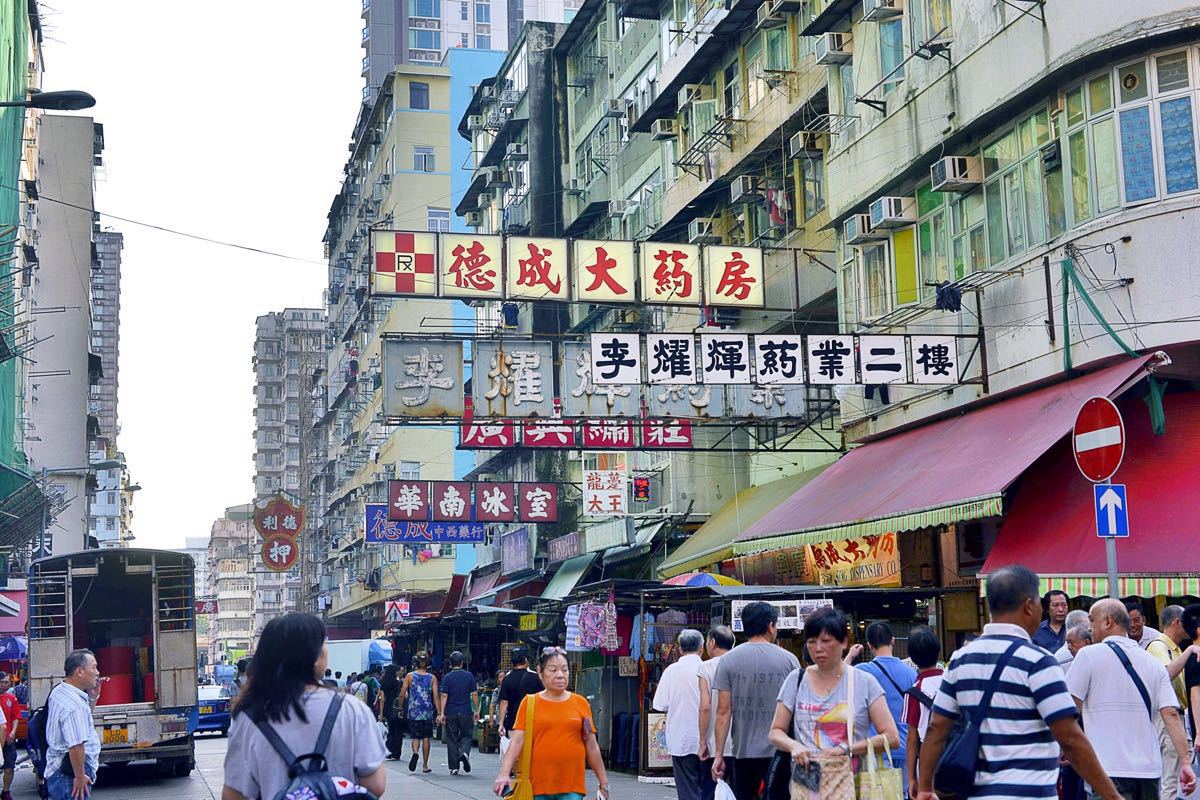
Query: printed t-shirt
x=558 y=753
x=819 y=721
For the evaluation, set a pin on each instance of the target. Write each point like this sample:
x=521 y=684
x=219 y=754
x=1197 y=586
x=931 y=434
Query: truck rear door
x=175 y=635
x=49 y=629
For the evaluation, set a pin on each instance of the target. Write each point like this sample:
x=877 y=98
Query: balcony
x=828 y=15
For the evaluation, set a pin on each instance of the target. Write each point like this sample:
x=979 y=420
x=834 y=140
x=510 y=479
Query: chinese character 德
x=469 y=266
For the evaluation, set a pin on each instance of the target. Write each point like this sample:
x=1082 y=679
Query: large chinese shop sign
x=423 y=264
x=381 y=530
x=278 y=521
x=866 y=561
x=451 y=501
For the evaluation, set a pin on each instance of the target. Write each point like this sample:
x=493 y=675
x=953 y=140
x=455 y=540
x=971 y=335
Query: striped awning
x=1127 y=585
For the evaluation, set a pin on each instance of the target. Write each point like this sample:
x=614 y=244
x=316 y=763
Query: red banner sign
x=279 y=552
x=278 y=516
x=208 y=607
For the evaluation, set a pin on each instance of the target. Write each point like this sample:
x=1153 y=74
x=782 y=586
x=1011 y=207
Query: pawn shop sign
x=279 y=517
x=1098 y=439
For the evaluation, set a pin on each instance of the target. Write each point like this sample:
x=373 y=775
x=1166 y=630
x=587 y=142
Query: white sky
x=228 y=119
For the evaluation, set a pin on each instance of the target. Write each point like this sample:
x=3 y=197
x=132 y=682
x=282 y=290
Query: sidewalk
x=441 y=785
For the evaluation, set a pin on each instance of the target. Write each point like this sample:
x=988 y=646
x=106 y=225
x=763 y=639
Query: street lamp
x=69 y=100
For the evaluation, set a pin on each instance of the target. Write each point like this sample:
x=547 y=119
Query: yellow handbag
x=522 y=787
x=876 y=781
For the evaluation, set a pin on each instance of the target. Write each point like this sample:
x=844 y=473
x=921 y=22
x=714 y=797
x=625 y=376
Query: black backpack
x=36 y=743
x=308 y=774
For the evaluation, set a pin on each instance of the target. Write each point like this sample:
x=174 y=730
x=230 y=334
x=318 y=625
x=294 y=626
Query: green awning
x=569 y=574
x=713 y=541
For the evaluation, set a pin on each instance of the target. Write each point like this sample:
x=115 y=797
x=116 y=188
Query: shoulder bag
x=776 y=786
x=837 y=771
x=522 y=788
x=955 y=773
x=1133 y=676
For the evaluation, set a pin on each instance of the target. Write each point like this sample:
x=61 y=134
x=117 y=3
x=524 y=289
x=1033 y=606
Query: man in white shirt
x=72 y=744
x=678 y=694
x=1065 y=654
x=720 y=641
x=1121 y=689
x=1139 y=631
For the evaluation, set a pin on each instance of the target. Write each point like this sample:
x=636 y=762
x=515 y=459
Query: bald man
x=1121 y=689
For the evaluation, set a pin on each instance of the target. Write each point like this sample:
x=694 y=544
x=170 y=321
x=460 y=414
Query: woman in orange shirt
x=563 y=737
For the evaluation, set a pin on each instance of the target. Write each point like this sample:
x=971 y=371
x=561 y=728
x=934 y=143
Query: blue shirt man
x=71 y=736
x=896 y=678
x=1052 y=633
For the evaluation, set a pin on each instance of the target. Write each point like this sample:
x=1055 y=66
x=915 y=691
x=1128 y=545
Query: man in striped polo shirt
x=1031 y=713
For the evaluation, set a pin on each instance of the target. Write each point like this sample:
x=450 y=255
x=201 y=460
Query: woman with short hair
x=283 y=690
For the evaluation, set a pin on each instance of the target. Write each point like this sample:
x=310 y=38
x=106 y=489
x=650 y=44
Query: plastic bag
x=382 y=727
x=723 y=792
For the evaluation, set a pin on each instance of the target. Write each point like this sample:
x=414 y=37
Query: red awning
x=1051 y=524
x=481 y=586
x=948 y=471
x=454 y=595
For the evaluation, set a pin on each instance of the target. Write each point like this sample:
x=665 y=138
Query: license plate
x=206 y=709
x=115 y=735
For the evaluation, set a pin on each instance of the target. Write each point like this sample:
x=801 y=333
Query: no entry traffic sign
x=1098 y=439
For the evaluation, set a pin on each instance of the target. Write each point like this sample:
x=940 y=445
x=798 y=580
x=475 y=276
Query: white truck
x=135 y=609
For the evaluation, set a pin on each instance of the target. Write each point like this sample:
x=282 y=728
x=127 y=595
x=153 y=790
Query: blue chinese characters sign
x=381 y=530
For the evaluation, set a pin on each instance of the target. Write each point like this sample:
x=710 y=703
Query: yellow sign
x=529 y=622
x=866 y=561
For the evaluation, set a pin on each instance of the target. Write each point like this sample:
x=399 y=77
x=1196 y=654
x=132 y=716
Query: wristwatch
x=846 y=747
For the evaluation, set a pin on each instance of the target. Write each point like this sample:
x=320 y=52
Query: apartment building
x=197 y=548
x=232 y=553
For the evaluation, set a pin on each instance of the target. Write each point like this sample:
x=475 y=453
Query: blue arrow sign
x=1112 y=510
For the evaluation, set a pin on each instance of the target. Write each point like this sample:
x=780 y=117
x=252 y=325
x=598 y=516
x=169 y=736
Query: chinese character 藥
x=670 y=273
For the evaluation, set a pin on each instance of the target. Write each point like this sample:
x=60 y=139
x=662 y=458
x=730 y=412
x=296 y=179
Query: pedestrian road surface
x=140 y=782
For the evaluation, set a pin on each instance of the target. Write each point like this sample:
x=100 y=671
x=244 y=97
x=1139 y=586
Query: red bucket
x=115 y=660
x=116 y=690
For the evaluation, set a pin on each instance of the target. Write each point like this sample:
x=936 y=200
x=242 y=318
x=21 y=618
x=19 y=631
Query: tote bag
x=875 y=781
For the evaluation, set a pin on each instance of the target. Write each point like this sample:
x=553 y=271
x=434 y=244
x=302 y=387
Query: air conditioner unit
x=576 y=187
x=516 y=152
x=689 y=92
x=702 y=230
x=832 y=48
x=857 y=230
x=806 y=144
x=956 y=174
x=880 y=10
x=615 y=107
x=475 y=122
x=484 y=199
x=622 y=207
x=766 y=18
x=893 y=212
x=744 y=189
x=663 y=129
x=500 y=179
x=474 y=218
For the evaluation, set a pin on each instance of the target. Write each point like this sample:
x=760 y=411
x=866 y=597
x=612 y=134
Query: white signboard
x=605 y=493
x=792 y=613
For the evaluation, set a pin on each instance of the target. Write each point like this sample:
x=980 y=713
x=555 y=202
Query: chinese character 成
x=535 y=270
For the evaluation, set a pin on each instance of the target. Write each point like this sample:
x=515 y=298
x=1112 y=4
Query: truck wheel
x=183 y=768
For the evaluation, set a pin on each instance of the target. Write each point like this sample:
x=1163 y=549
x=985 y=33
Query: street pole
x=1110 y=558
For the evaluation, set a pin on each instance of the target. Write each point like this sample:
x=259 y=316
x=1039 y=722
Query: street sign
x=1098 y=439
x=207 y=607
x=396 y=611
x=1112 y=510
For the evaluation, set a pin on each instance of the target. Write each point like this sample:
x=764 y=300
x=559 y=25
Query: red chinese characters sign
x=666 y=434
x=670 y=273
x=615 y=434
x=866 y=561
x=486 y=435
x=208 y=607
x=404 y=264
x=548 y=434
x=537 y=502
x=470 y=265
x=279 y=552
x=408 y=501
x=278 y=516
x=733 y=276
x=495 y=502
x=604 y=271
x=451 y=501
x=536 y=269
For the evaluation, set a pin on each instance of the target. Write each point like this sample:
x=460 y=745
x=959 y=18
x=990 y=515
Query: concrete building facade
x=231 y=581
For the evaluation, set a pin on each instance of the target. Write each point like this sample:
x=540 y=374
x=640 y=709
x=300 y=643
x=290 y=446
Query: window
x=418 y=93
x=424 y=39
x=464 y=40
x=756 y=86
x=408 y=470
x=930 y=21
x=779 y=53
x=483 y=42
x=891 y=52
x=464 y=11
x=110 y=498
x=425 y=8
x=293 y=361
x=438 y=219
x=846 y=82
x=733 y=89
x=109 y=523
x=1014 y=190
x=423 y=158
x=483 y=13
x=1162 y=165
x=813 y=170
x=876 y=296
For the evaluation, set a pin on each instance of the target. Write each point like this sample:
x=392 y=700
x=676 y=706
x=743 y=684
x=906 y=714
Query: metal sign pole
x=1110 y=557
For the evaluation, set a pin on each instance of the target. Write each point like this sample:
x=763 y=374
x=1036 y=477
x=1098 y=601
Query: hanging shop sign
x=605 y=493
x=792 y=613
x=423 y=378
x=717 y=375
x=279 y=552
x=381 y=530
x=641 y=489
x=515 y=553
x=533 y=268
x=451 y=501
x=564 y=547
x=278 y=516
x=528 y=622
x=208 y=607
x=865 y=561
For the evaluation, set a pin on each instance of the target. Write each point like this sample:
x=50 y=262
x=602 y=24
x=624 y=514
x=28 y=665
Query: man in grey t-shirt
x=747 y=682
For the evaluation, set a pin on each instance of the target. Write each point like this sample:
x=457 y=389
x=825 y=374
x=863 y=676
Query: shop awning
x=482 y=585
x=454 y=595
x=643 y=543
x=569 y=574
x=713 y=541
x=948 y=471
x=1051 y=523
